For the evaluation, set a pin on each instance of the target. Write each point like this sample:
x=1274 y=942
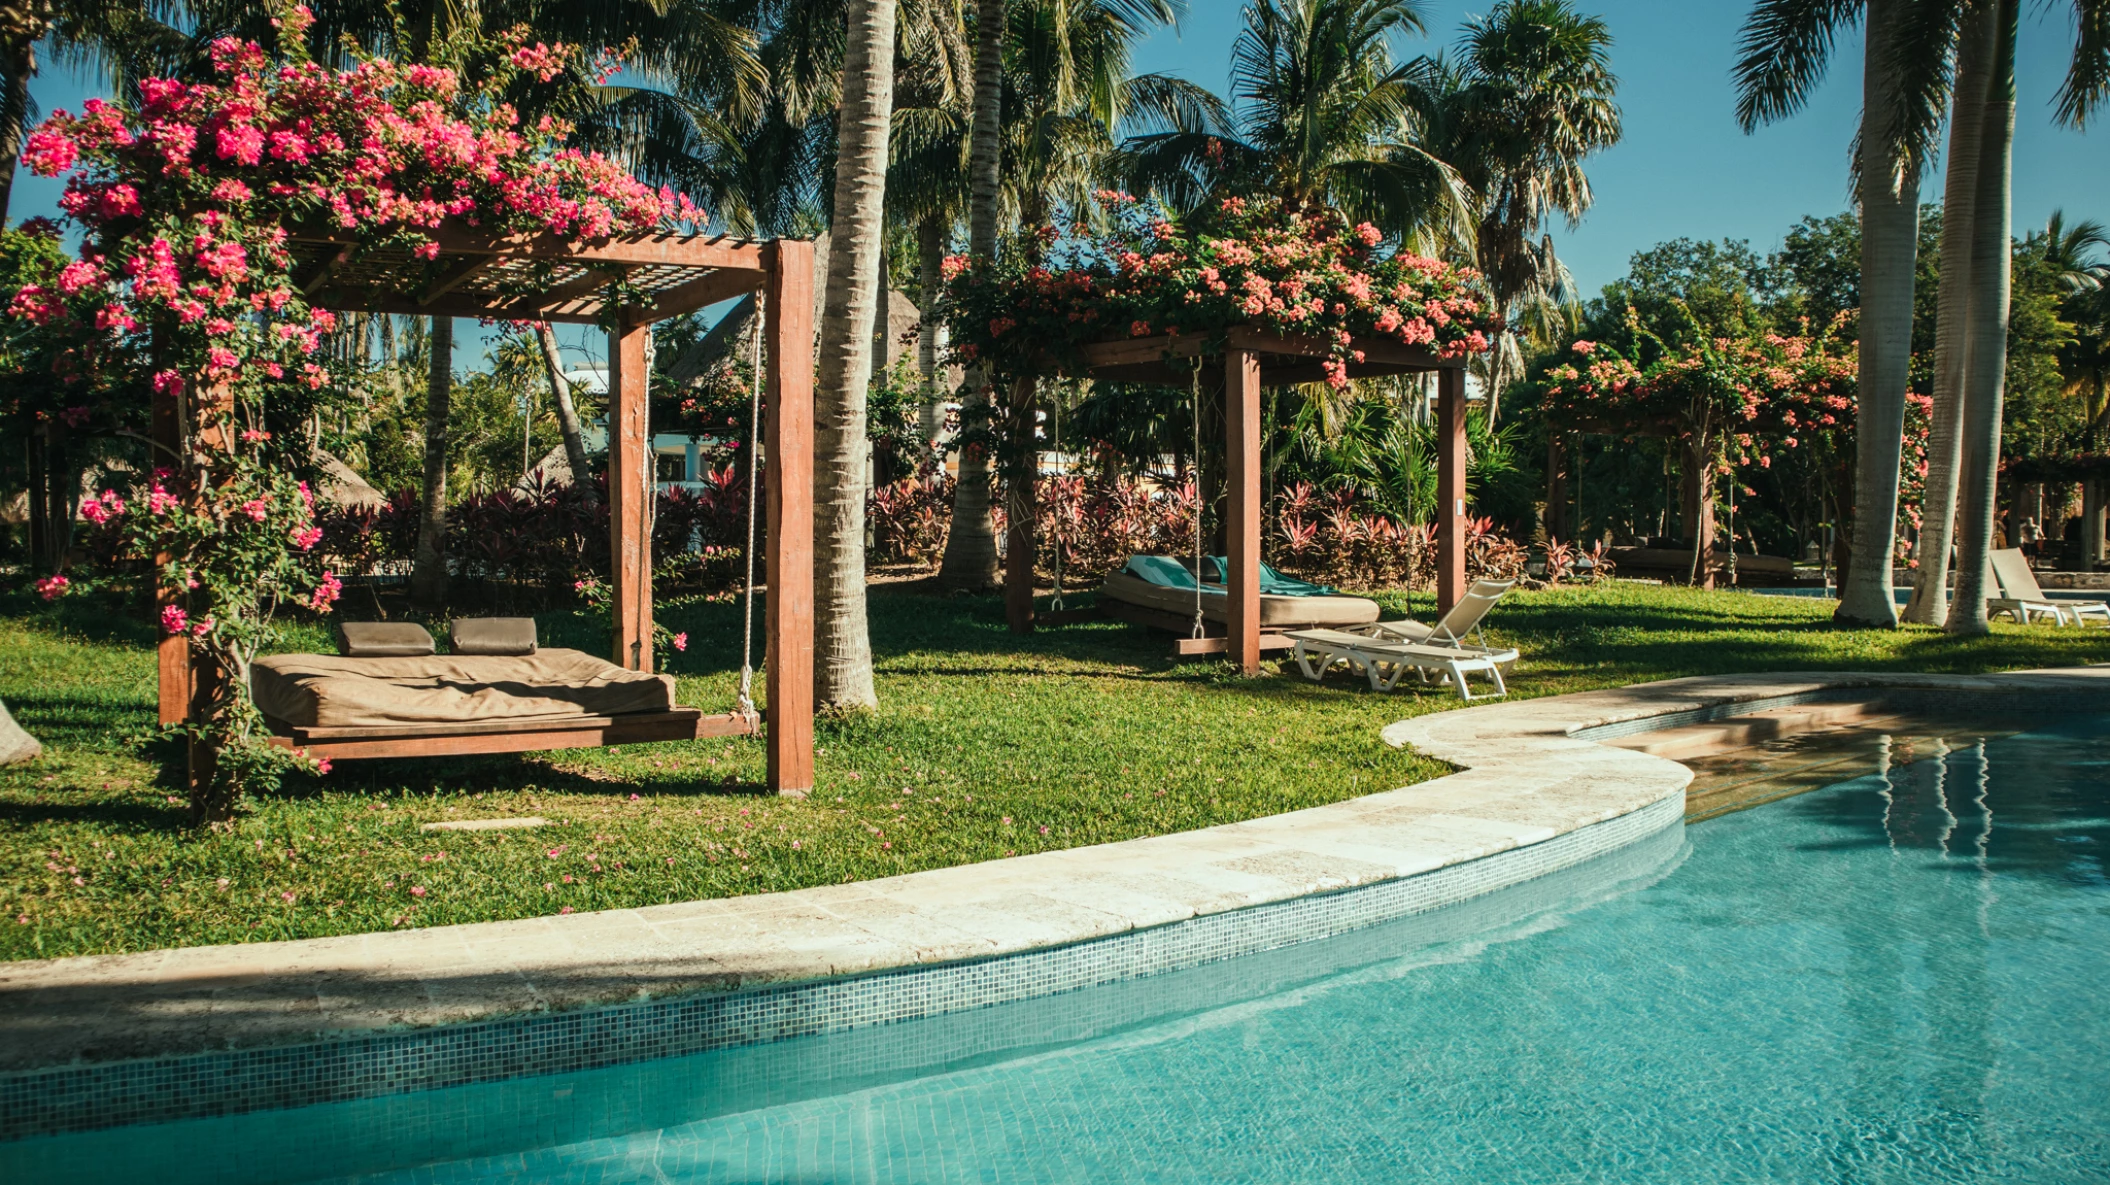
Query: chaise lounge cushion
x=334 y=691
x=1275 y=612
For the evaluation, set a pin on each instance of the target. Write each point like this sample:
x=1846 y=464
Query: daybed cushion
x=383 y=639
x=1275 y=612
x=491 y=635
x=333 y=691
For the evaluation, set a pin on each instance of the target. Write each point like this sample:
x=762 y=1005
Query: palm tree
x=970 y=546
x=1531 y=98
x=1989 y=32
x=1930 y=591
x=842 y=668
x=428 y=565
x=1322 y=118
x=1784 y=50
x=1051 y=85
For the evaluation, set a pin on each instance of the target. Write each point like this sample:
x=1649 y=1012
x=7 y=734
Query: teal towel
x=1163 y=571
x=1275 y=584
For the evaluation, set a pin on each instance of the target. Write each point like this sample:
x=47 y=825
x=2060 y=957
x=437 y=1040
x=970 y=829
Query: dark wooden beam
x=459 y=272
x=695 y=294
x=645 y=250
x=322 y=270
x=358 y=300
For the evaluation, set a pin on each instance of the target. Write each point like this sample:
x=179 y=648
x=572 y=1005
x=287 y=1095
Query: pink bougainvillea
x=196 y=207
x=1249 y=264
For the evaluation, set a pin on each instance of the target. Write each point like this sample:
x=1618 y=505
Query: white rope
x=1055 y=425
x=747 y=548
x=1197 y=468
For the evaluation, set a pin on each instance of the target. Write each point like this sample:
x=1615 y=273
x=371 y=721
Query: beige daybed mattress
x=1275 y=612
x=332 y=691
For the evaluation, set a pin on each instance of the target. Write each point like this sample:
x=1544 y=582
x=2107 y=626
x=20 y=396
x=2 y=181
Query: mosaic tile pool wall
x=77 y=1098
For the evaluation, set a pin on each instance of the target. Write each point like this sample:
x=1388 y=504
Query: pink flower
x=167 y=382
x=256 y=509
x=51 y=588
x=48 y=151
x=417 y=890
x=307 y=538
x=201 y=627
x=1585 y=348
x=326 y=592
x=681 y=641
x=322 y=765
x=241 y=143
x=174 y=619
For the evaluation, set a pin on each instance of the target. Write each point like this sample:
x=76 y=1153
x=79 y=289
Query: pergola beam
x=701 y=292
x=461 y=272
x=451 y=305
x=648 y=250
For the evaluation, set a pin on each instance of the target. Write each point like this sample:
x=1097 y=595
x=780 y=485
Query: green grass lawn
x=985 y=746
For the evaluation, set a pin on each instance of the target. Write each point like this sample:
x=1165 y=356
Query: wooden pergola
x=545 y=278
x=1254 y=359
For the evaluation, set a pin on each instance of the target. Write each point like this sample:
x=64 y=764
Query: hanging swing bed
x=353 y=707
x=1240 y=616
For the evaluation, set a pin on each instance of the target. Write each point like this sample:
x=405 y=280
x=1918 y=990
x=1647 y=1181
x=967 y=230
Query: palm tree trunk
x=970 y=548
x=428 y=566
x=567 y=411
x=1986 y=376
x=1952 y=320
x=15 y=70
x=842 y=658
x=930 y=264
x=1889 y=241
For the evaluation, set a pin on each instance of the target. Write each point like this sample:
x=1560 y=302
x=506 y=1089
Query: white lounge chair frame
x=1386 y=662
x=1451 y=630
x=2022 y=599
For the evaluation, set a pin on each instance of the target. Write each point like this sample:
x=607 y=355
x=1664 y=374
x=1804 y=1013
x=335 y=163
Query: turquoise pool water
x=1900 y=977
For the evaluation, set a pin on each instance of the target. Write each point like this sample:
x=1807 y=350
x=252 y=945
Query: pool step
x=1736 y=732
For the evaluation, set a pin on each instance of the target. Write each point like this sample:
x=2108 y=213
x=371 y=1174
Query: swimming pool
x=1897 y=977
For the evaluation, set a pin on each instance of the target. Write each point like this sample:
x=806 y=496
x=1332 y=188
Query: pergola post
x=1242 y=496
x=788 y=445
x=172 y=652
x=629 y=495
x=1450 y=487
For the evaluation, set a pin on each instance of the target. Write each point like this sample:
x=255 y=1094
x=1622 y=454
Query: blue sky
x=1683 y=169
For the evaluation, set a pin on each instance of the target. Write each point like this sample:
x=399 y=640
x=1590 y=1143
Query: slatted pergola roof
x=529 y=277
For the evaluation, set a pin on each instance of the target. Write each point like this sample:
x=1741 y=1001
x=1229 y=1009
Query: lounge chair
x=2021 y=599
x=1384 y=661
x=1157 y=590
x=1453 y=628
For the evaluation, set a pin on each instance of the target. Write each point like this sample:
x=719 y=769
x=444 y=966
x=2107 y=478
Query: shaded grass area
x=986 y=746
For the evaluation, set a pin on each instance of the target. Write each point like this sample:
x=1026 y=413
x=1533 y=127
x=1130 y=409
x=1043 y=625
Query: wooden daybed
x=341 y=706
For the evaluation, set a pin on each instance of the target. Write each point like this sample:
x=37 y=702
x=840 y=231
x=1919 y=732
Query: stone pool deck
x=1523 y=780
